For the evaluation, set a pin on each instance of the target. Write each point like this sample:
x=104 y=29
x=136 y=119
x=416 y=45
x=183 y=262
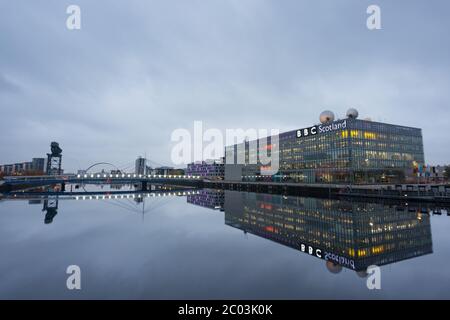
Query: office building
x=213 y=169
x=165 y=171
x=344 y=151
x=38 y=164
x=140 y=166
x=34 y=167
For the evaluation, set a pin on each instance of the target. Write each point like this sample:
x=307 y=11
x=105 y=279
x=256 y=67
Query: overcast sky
x=137 y=70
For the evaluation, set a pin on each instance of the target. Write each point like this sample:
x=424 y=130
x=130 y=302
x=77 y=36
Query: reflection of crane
x=51 y=206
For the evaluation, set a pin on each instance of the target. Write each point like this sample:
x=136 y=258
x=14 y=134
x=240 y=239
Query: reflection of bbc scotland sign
x=323 y=128
x=328 y=256
x=312 y=251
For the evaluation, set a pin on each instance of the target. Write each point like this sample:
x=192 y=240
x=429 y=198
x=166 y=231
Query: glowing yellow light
x=362 y=252
x=354 y=133
x=370 y=135
x=378 y=249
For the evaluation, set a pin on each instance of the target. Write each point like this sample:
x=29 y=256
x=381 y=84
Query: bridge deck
x=102 y=178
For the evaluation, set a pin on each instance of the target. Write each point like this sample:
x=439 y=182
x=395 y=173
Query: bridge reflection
x=345 y=234
x=51 y=199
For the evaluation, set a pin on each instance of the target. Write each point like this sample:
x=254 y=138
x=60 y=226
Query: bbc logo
x=307 y=132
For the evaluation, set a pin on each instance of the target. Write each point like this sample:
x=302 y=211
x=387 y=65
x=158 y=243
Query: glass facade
x=344 y=151
x=354 y=235
x=214 y=170
x=212 y=199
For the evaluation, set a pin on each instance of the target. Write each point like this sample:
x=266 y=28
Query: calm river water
x=220 y=245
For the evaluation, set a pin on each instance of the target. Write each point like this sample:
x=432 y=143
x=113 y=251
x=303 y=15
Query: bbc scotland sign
x=323 y=128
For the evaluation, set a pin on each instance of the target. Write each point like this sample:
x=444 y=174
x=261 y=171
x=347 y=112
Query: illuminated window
x=362 y=252
x=354 y=133
x=377 y=250
x=370 y=135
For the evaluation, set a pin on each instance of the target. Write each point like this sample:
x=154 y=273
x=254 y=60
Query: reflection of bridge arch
x=102 y=163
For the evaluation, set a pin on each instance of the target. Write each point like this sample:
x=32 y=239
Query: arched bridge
x=102 y=163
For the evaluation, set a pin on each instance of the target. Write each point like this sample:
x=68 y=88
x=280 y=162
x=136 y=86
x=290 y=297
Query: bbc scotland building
x=349 y=151
x=354 y=235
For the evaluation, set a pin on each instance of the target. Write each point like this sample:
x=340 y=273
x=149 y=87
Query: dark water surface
x=222 y=245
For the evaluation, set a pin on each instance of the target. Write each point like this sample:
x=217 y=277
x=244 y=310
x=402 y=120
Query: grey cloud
x=138 y=70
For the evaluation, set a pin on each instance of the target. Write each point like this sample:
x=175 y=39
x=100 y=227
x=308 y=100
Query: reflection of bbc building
x=342 y=151
x=353 y=235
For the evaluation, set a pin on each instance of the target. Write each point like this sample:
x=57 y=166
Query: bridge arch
x=102 y=163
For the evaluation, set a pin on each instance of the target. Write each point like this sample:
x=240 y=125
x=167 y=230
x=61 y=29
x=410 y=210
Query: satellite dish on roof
x=333 y=267
x=326 y=116
x=352 y=113
x=362 y=274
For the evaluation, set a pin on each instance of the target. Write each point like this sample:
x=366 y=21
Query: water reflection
x=208 y=198
x=50 y=208
x=345 y=234
x=51 y=200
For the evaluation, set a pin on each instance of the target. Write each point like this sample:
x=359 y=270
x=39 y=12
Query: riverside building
x=211 y=169
x=349 y=150
x=35 y=166
x=346 y=234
